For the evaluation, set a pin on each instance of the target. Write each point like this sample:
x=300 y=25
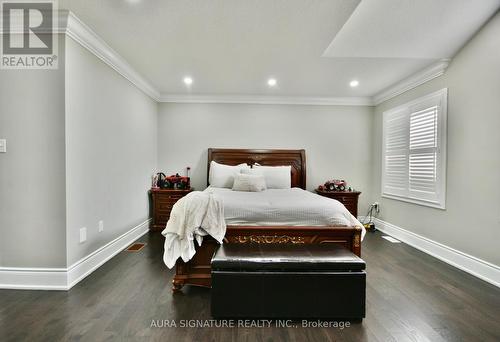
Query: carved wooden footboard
x=198 y=271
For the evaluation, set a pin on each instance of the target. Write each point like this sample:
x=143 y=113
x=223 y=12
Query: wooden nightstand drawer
x=351 y=207
x=164 y=205
x=174 y=197
x=345 y=199
x=163 y=212
x=348 y=198
x=163 y=202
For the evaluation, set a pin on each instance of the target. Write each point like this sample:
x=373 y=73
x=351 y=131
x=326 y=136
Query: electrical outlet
x=83 y=234
x=3 y=145
x=376 y=206
x=101 y=226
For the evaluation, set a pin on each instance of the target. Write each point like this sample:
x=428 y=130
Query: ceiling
x=312 y=47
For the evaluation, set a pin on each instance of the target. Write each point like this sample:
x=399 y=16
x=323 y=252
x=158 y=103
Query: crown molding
x=428 y=73
x=87 y=38
x=73 y=27
x=65 y=22
x=263 y=99
x=69 y=24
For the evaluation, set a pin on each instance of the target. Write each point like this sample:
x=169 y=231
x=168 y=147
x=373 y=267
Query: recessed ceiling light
x=188 y=80
x=354 y=83
x=271 y=82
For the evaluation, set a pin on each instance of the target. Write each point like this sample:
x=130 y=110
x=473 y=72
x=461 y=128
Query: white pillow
x=277 y=177
x=253 y=171
x=222 y=176
x=244 y=182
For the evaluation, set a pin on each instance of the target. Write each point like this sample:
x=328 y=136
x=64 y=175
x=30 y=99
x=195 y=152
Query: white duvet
x=283 y=207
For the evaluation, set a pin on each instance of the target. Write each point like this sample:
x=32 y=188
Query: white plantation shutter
x=423 y=153
x=396 y=153
x=414 y=151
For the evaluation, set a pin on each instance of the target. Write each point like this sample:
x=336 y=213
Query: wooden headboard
x=295 y=158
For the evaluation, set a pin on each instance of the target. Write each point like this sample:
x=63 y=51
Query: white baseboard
x=463 y=261
x=33 y=278
x=66 y=278
x=85 y=266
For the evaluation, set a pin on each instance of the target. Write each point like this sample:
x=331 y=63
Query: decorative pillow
x=222 y=176
x=277 y=177
x=246 y=182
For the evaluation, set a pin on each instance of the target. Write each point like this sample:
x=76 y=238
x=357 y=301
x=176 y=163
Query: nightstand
x=163 y=201
x=348 y=198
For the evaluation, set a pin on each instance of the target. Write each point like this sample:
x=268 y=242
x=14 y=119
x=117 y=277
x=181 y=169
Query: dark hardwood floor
x=410 y=297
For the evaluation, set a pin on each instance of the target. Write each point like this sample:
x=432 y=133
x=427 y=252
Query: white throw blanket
x=192 y=217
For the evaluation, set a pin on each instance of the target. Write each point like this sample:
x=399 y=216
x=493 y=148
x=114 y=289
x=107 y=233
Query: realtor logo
x=28 y=39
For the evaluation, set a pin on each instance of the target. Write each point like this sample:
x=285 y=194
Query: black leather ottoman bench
x=321 y=281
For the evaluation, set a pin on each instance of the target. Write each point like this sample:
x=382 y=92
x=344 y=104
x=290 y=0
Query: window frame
x=438 y=98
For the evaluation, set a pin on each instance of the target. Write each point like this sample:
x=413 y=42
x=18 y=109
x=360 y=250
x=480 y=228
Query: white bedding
x=194 y=216
x=283 y=207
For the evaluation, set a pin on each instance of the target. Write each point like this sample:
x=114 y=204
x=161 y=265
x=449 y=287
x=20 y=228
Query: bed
x=244 y=228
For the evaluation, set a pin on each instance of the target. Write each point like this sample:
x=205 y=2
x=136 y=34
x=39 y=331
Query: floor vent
x=136 y=247
x=390 y=239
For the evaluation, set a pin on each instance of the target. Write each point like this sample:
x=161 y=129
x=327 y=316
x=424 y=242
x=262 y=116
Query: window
x=414 y=151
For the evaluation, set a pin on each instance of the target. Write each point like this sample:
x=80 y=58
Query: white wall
x=110 y=151
x=32 y=196
x=336 y=138
x=471 y=221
